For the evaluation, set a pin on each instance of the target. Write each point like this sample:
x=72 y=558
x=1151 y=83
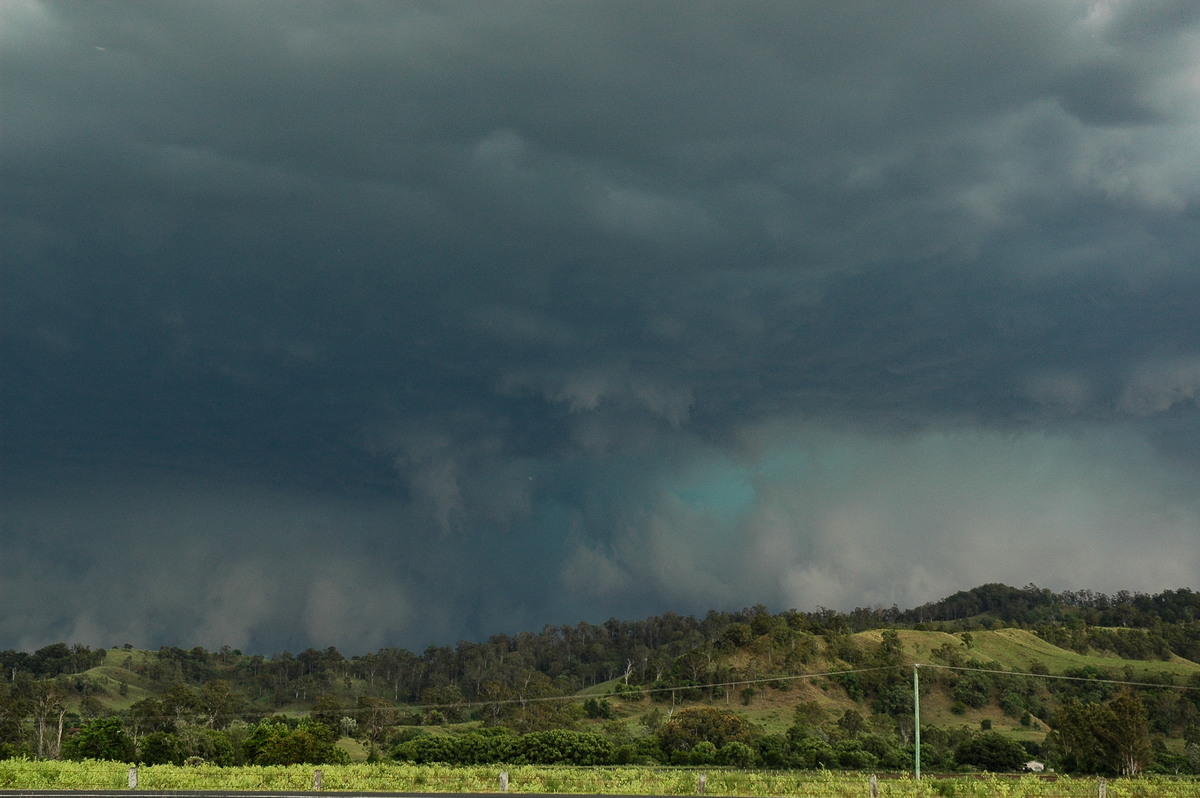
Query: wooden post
x=703 y=783
x=873 y=783
x=133 y=778
x=318 y=777
x=1103 y=788
x=504 y=781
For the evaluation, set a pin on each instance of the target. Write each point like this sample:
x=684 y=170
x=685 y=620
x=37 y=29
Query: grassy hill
x=761 y=666
x=1011 y=650
x=945 y=658
x=128 y=676
x=1018 y=649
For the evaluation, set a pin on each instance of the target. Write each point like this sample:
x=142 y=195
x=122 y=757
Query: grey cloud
x=1159 y=386
x=451 y=292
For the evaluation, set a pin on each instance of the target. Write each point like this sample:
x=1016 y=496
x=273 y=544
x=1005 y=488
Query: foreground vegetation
x=1007 y=676
x=92 y=775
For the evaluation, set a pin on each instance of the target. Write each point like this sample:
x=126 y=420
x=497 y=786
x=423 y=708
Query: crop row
x=62 y=775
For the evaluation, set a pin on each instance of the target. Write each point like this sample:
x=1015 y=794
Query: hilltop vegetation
x=793 y=689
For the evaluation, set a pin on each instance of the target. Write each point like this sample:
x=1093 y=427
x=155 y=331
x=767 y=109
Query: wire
x=1059 y=676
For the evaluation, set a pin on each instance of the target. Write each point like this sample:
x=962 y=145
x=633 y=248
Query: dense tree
x=1104 y=738
x=13 y=710
x=1125 y=736
x=430 y=748
x=219 y=703
x=100 y=738
x=1074 y=743
x=448 y=700
x=693 y=725
x=563 y=747
x=274 y=742
x=991 y=751
x=160 y=748
x=328 y=709
x=534 y=704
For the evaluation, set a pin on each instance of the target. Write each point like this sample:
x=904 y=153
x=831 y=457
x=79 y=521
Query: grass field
x=1017 y=649
x=17 y=774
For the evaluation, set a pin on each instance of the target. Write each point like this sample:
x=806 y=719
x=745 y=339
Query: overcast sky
x=370 y=324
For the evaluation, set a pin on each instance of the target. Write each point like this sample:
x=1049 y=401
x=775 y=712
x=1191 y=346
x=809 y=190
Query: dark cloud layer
x=364 y=324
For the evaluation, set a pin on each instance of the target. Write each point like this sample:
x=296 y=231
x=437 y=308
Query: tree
x=328 y=709
x=735 y=754
x=1126 y=735
x=598 y=708
x=695 y=724
x=448 y=700
x=179 y=705
x=991 y=751
x=273 y=742
x=1101 y=738
x=375 y=716
x=563 y=747
x=851 y=723
x=160 y=748
x=219 y=703
x=973 y=689
x=100 y=738
x=535 y=703
x=13 y=710
x=1072 y=744
x=146 y=716
x=430 y=748
x=49 y=711
x=207 y=745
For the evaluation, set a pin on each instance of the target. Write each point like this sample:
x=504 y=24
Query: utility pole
x=916 y=722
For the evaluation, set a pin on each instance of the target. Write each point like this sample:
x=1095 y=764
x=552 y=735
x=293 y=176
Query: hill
x=1006 y=661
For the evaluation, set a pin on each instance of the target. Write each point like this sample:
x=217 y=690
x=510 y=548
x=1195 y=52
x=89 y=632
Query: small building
x=1033 y=766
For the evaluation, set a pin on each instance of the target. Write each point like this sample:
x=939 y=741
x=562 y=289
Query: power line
x=1060 y=676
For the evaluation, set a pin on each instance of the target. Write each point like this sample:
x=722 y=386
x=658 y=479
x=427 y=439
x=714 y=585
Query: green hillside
x=1019 y=649
x=820 y=689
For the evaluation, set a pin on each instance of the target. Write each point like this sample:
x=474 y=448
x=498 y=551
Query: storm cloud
x=366 y=324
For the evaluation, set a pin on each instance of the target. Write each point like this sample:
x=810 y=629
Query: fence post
x=1103 y=788
x=703 y=783
x=133 y=778
x=504 y=781
x=873 y=783
x=318 y=777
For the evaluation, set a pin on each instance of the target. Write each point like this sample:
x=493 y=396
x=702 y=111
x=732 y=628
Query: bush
x=101 y=738
x=428 y=749
x=735 y=755
x=160 y=748
x=563 y=747
x=690 y=726
x=991 y=751
x=274 y=743
x=813 y=752
x=703 y=753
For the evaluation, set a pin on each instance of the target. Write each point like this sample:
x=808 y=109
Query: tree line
x=1106 y=737
x=206 y=705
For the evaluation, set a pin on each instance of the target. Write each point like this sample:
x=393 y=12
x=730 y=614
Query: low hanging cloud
x=841 y=518
x=1159 y=386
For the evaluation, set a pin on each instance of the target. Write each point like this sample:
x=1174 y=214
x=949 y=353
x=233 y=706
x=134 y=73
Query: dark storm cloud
x=358 y=324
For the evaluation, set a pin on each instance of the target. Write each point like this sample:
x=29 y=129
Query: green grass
x=39 y=775
x=1017 y=649
x=601 y=689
